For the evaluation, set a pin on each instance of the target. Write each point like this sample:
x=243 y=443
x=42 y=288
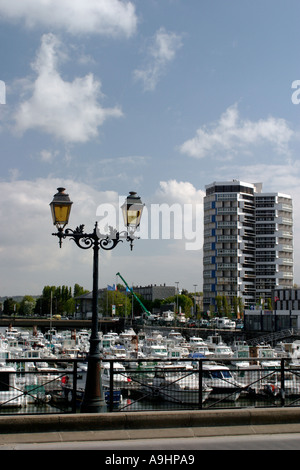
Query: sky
x=161 y=97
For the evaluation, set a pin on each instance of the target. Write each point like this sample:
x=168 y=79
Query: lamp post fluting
x=93 y=401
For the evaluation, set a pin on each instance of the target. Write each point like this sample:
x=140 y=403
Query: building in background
x=154 y=292
x=248 y=243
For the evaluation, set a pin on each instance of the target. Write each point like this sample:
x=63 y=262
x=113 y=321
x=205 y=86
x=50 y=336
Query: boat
x=267 y=356
x=220 y=378
x=219 y=349
x=117 y=398
x=121 y=381
x=67 y=386
x=201 y=352
x=178 y=352
x=178 y=383
x=156 y=351
x=176 y=336
x=117 y=352
x=291 y=383
x=222 y=351
x=11 y=396
x=195 y=342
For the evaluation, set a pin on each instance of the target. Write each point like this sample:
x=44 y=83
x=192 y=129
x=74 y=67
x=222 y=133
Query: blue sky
x=157 y=96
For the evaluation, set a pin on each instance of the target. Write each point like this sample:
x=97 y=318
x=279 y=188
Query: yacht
x=221 y=380
x=195 y=342
x=11 y=396
x=178 y=384
x=121 y=381
x=157 y=351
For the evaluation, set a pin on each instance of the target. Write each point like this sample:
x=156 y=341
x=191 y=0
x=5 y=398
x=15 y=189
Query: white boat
x=117 y=352
x=167 y=317
x=291 y=383
x=221 y=351
x=195 y=342
x=121 y=381
x=201 y=352
x=127 y=335
x=221 y=380
x=176 y=336
x=178 y=352
x=258 y=381
x=178 y=384
x=11 y=396
x=157 y=351
x=265 y=351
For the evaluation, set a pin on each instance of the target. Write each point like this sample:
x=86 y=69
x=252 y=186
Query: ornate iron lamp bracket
x=96 y=238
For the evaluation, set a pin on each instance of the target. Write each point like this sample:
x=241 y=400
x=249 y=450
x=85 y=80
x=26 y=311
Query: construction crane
x=139 y=301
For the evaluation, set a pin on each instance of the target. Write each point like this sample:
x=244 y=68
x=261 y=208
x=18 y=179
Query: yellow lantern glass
x=132 y=210
x=60 y=208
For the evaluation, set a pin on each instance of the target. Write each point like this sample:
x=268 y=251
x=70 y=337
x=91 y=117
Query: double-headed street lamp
x=93 y=401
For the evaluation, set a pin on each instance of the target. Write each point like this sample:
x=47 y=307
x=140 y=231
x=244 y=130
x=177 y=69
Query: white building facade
x=248 y=243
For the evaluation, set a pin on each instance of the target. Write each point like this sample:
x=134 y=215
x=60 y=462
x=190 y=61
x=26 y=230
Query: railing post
x=282 y=383
x=111 y=387
x=200 y=384
x=74 y=393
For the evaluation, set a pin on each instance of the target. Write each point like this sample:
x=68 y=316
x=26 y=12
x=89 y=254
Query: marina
x=142 y=370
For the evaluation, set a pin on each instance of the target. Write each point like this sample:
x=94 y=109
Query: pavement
x=63 y=428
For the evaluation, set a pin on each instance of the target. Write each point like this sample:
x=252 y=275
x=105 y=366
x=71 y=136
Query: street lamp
x=132 y=211
x=60 y=209
x=93 y=401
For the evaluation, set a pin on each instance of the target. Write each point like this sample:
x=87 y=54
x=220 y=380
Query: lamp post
x=195 y=305
x=176 y=282
x=93 y=401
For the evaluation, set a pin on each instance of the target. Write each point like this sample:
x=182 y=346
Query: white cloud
x=69 y=111
x=47 y=156
x=182 y=192
x=161 y=52
x=30 y=257
x=177 y=214
x=231 y=134
x=106 y=17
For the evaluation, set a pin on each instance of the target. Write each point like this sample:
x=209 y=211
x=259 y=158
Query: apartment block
x=248 y=242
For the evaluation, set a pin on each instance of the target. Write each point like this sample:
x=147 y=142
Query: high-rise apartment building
x=248 y=243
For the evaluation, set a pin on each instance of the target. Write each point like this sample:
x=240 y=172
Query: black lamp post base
x=93 y=400
x=94 y=405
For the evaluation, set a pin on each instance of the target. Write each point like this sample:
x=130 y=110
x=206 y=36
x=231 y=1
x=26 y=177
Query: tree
x=226 y=306
x=79 y=290
x=58 y=300
x=219 y=305
x=184 y=302
x=10 y=306
x=223 y=306
x=27 y=305
x=119 y=299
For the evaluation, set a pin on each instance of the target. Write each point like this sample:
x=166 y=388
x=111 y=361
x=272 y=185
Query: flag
x=113 y=287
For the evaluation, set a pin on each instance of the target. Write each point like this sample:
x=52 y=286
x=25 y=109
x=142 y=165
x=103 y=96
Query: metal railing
x=36 y=386
x=140 y=385
x=204 y=384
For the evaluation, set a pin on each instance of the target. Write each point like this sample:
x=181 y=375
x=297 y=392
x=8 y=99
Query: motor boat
x=178 y=383
x=11 y=396
x=221 y=380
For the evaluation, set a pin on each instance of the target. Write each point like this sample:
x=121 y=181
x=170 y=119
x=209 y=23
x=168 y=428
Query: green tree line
x=56 y=300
